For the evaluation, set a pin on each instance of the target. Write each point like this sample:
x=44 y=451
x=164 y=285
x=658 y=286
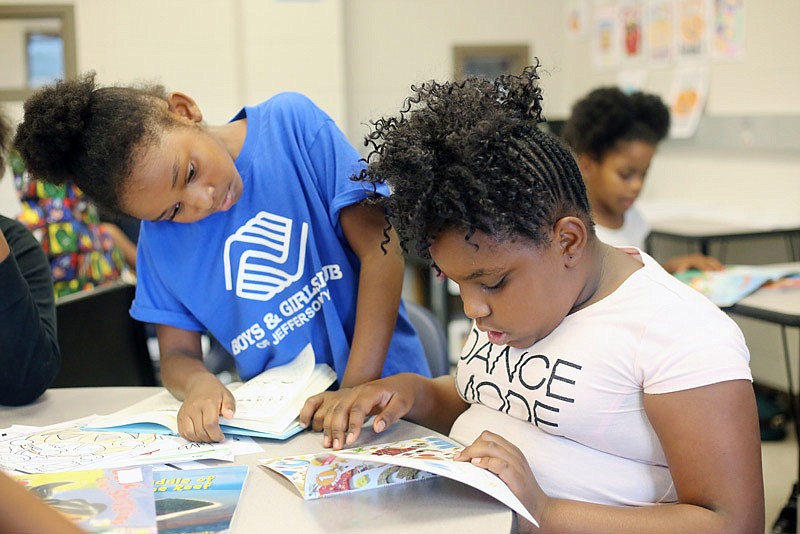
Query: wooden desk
x=270 y=503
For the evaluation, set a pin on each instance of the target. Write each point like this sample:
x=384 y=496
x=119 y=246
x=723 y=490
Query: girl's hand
x=498 y=455
x=340 y=414
x=206 y=400
x=692 y=261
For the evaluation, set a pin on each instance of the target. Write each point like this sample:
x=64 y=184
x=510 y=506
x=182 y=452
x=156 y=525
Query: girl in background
x=614 y=136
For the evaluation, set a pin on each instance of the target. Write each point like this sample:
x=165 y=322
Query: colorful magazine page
x=267 y=406
x=100 y=500
x=789 y=282
x=197 y=500
x=322 y=475
x=391 y=463
x=727 y=287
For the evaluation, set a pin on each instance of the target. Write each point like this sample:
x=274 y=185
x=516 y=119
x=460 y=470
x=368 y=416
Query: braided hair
x=90 y=135
x=469 y=155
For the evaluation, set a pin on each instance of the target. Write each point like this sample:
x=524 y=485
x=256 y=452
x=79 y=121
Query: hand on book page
x=362 y=468
x=268 y=405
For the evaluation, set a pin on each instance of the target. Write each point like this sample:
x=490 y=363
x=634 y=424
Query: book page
x=162 y=409
x=268 y=393
x=435 y=455
x=268 y=405
x=284 y=414
x=360 y=468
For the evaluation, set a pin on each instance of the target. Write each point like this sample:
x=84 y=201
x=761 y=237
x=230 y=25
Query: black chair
x=433 y=337
x=101 y=344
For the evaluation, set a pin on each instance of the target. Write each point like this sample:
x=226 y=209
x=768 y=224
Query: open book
x=267 y=405
x=727 y=287
x=362 y=468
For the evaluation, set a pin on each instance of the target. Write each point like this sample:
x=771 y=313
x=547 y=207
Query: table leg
x=786 y=523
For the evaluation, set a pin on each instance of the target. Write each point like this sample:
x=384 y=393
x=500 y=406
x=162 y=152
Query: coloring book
x=197 y=500
x=267 y=406
x=113 y=501
x=363 y=468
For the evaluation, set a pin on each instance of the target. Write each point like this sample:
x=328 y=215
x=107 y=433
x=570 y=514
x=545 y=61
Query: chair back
x=433 y=337
x=101 y=344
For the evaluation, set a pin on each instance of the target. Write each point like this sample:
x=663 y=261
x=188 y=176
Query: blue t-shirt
x=274 y=272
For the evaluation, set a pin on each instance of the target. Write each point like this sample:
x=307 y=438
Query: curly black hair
x=76 y=130
x=607 y=115
x=6 y=130
x=469 y=155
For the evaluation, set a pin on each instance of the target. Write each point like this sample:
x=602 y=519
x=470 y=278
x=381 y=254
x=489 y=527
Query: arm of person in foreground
x=379 y=287
x=431 y=402
x=21 y=512
x=29 y=355
x=185 y=375
x=711 y=440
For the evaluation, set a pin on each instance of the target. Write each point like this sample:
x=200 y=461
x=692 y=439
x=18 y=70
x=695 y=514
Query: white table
x=270 y=504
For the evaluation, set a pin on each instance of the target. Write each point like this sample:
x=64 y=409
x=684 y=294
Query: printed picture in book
x=377 y=466
x=197 y=500
x=99 y=500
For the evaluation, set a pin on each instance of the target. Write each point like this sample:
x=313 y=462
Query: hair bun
x=52 y=129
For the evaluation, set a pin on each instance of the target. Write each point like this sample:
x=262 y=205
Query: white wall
x=391 y=44
x=357 y=58
x=224 y=53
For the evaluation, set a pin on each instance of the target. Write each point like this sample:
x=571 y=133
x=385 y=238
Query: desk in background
x=698 y=226
x=702 y=232
x=780 y=307
x=269 y=502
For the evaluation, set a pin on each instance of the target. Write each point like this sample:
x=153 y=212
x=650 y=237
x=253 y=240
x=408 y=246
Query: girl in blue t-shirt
x=252 y=230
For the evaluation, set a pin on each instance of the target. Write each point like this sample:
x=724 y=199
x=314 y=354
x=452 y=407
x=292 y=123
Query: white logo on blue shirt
x=267 y=238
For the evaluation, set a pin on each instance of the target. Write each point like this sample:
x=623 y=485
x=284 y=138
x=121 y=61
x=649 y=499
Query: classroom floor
x=779 y=460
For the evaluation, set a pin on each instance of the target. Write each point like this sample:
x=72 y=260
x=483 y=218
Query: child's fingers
x=489 y=445
x=310 y=407
x=200 y=422
x=210 y=429
x=228 y=407
x=343 y=421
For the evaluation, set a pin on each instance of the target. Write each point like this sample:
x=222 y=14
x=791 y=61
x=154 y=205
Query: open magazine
x=267 y=406
x=727 y=287
x=200 y=500
x=363 y=468
x=99 y=500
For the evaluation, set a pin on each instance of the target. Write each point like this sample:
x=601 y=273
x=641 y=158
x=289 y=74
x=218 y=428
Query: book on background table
x=730 y=285
x=197 y=500
x=267 y=406
x=363 y=468
x=100 y=500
